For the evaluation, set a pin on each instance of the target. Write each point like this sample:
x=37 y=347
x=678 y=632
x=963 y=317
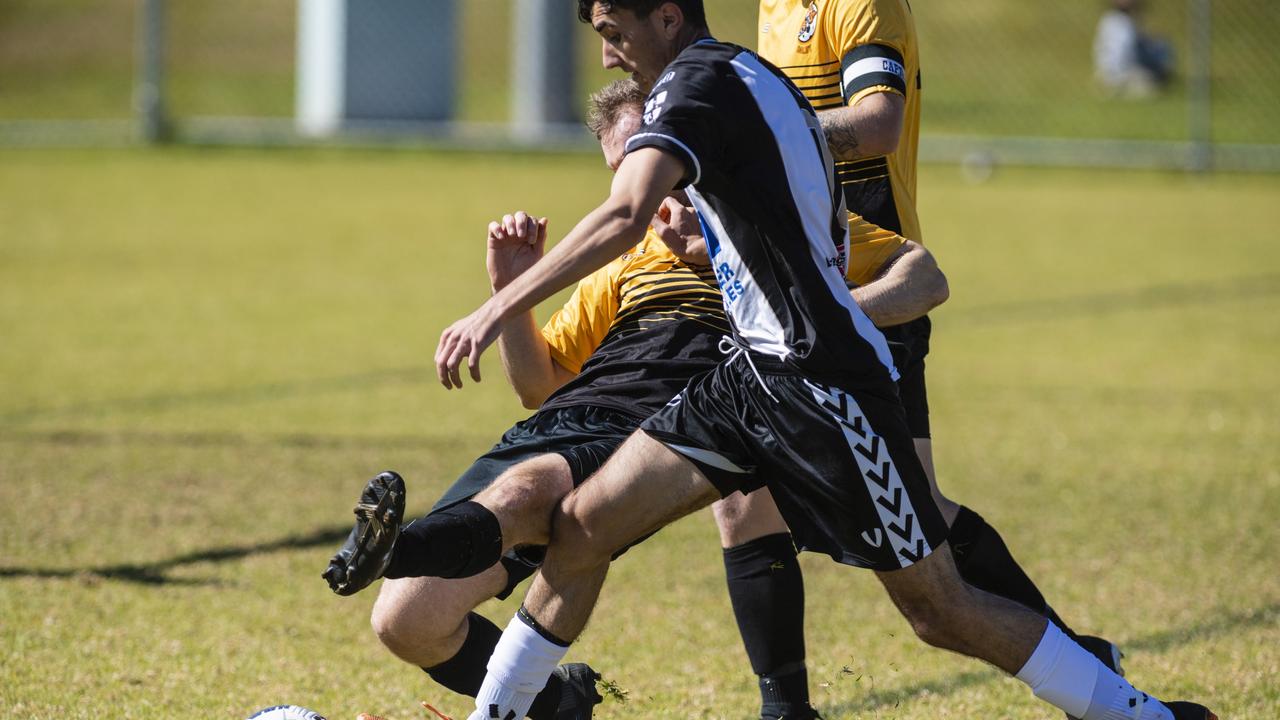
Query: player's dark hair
x=609 y=103
x=694 y=13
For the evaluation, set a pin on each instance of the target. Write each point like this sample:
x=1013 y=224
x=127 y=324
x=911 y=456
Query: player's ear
x=671 y=19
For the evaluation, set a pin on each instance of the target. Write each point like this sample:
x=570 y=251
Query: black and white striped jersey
x=761 y=178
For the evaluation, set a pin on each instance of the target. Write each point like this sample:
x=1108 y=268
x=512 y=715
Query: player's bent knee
x=406 y=638
x=930 y=621
x=529 y=485
x=932 y=598
x=574 y=530
x=524 y=497
x=743 y=518
x=405 y=622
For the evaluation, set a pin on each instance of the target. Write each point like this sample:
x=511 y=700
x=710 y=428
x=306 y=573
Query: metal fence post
x=148 y=91
x=542 y=68
x=382 y=66
x=1200 y=85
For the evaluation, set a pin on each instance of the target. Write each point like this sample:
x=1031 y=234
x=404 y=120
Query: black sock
x=785 y=695
x=464 y=672
x=985 y=562
x=767 y=593
x=457 y=542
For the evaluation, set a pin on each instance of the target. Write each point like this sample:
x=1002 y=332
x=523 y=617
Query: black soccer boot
x=1183 y=710
x=578 y=694
x=367 y=552
x=1103 y=649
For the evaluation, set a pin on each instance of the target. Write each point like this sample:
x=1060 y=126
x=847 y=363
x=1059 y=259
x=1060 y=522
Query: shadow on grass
x=157 y=573
x=306 y=441
x=229 y=396
x=1216 y=624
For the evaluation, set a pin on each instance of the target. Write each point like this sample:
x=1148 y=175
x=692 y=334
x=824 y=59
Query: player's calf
x=949 y=614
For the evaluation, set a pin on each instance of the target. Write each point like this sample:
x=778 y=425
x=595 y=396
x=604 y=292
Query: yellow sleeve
x=869 y=247
x=852 y=24
x=856 y=97
x=578 y=328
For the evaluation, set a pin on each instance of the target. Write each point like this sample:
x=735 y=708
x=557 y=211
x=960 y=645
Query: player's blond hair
x=610 y=102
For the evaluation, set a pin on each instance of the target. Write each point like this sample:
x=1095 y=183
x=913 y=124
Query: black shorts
x=839 y=463
x=909 y=343
x=585 y=436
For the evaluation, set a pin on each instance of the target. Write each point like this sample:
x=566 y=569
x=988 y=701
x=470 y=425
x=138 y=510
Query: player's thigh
x=412 y=612
x=743 y=518
x=643 y=487
x=947 y=506
x=524 y=497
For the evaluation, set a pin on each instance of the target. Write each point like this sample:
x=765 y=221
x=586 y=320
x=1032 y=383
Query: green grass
x=1003 y=67
x=205 y=353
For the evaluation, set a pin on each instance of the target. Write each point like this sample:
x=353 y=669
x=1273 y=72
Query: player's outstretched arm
x=643 y=179
x=908 y=286
x=869 y=128
x=514 y=244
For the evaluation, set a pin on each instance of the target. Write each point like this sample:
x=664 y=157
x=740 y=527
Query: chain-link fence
x=1012 y=79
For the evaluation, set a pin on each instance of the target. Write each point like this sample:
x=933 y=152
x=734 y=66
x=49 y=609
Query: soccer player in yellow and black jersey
x=860 y=57
x=634 y=331
x=858 y=63
x=629 y=339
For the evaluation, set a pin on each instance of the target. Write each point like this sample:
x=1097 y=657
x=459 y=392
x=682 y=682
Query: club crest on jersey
x=810 y=25
x=653 y=108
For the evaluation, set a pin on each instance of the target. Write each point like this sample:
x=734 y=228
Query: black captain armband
x=871 y=65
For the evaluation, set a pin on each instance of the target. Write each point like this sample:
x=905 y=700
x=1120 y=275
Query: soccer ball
x=286 y=712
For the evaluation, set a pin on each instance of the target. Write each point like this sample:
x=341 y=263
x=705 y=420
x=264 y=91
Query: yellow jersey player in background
x=860 y=58
x=858 y=63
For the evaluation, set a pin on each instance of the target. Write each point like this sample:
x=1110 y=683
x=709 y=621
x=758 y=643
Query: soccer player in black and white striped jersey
x=805 y=399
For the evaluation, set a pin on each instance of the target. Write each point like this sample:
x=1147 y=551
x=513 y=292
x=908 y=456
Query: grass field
x=204 y=354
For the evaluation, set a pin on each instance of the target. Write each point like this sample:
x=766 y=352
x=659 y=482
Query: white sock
x=518 y=670
x=1115 y=699
x=1062 y=673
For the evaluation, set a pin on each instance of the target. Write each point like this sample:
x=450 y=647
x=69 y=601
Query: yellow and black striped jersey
x=838 y=52
x=636 y=331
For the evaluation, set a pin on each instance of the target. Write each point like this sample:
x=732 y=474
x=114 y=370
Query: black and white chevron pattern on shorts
x=897 y=517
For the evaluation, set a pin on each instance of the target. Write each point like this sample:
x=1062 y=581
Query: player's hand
x=680 y=230
x=466 y=338
x=515 y=243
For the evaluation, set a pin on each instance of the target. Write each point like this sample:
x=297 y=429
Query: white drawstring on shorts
x=731 y=347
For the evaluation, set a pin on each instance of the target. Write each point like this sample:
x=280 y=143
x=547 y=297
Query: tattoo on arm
x=841 y=135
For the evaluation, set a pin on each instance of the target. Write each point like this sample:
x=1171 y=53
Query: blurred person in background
x=1128 y=61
